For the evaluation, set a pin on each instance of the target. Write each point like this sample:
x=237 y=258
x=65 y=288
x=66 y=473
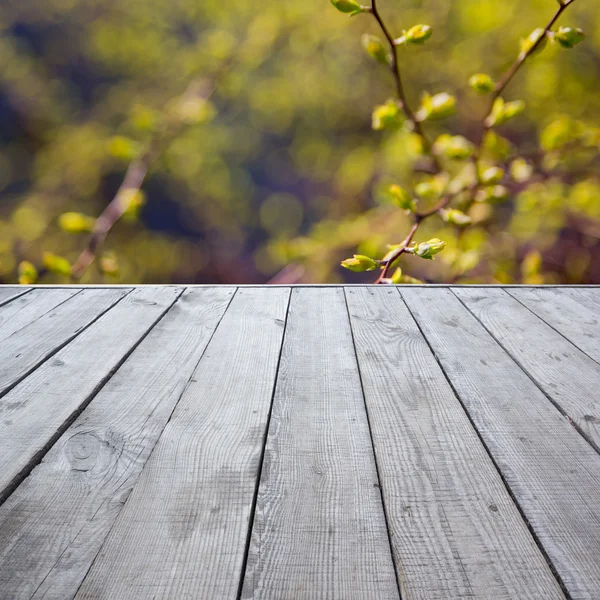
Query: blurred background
x=281 y=170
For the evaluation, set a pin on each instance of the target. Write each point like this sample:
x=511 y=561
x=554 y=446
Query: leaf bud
x=360 y=263
x=569 y=37
x=482 y=83
x=430 y=248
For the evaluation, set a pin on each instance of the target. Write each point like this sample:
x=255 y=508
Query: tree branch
x=395 y=69
x=132 y=182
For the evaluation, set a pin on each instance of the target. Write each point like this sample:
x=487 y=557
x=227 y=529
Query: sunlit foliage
x=282 y=165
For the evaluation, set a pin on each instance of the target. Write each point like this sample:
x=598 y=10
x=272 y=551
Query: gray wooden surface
x=306 y=443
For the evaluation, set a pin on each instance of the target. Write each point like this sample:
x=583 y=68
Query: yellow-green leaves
x=74 y=222
x=503 y=111
x=123 y=148
x=456 y=217
x=453 y=146
x=399 y=277
x=534 y=39
x=436 y=107
x=374 y=47
x=144 y=119
x=520 y=170
x=28 y=274
x=432 y=187
x=360 y=263
x=401 y=198
x=348 y=6
x=482 y=83
x=495 y=147
x=491 y=175
x=568 y=37
x=429 y=249
x=531 y=267
x=194 y=110
x=418 y=34
x=558 y=133
x=133 y=201
x=492 y=194
x=57 y=264
x=387 y=116
x=427 y=190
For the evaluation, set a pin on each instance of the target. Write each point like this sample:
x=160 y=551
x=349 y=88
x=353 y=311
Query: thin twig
x=132 y=182
x=395 y=69
x=514 y=68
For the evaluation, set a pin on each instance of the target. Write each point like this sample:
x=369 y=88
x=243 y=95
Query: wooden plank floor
x=304 y=443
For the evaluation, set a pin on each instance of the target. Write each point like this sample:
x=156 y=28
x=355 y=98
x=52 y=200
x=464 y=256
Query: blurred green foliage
x=286 y=167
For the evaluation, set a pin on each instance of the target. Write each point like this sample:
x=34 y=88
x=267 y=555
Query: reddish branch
x=132 y=182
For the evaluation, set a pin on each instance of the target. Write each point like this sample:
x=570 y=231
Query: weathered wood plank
x=455 y=530
x=552 y=471
x=577 y=322
x=183 y=531
x=588 y=296
x=36 y=412
x=54 y=524
x=7 y=294
x=319 y=529
x=567 y=376
x=26 y=349
x=27 y=308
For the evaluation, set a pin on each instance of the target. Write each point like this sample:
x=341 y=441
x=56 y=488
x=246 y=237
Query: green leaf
x=493 y=194
x=194 y=111
x=387 y=116
x=123 y=148
x=57 y=264
x=430 y=248
x=398 y=277
x=453 y=146
x=360 y=263
x=558 y=133
x=491 y=175
x=427 y=190
x=436 y=107
x=418 y=34
x=456 y=217
x=520 y=170
x=74 y=222
x=401 y=198
x=133 y=201
x=28 y=274
x=503 y=111
x=568 y=37
x=375 y=48
x=347 y=6
x=482 y=83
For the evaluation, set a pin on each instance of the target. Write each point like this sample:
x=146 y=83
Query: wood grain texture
x=552 y=471
x=183 y=530
x=455 y=530
x=567 y=375
x=319 y=528
x=36 y=412
x=27 y=348
x=588 y=296
x=27 y=308
x=7 y=294
x=577 y=321
x=53 y=525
